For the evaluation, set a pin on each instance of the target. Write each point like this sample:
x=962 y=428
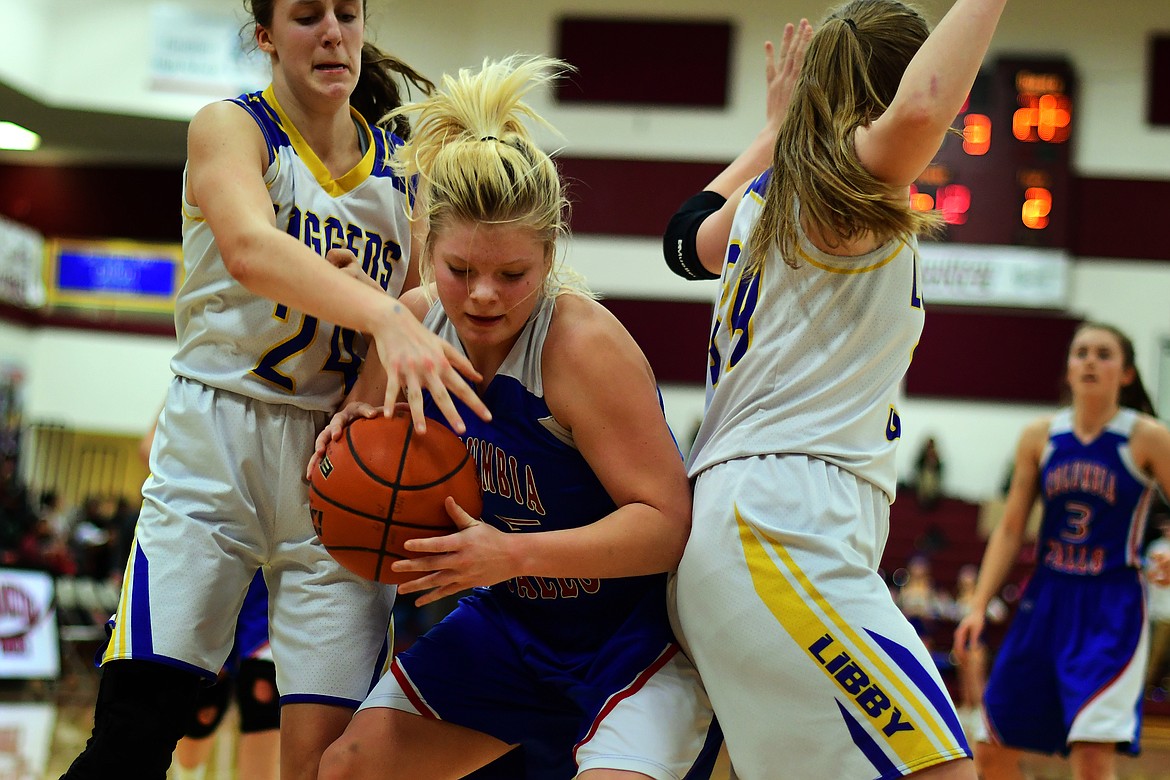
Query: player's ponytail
x=476 y=159
x=851 y=72
x=377 y=92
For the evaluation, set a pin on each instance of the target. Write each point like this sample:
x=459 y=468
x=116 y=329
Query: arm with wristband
x=693 y=245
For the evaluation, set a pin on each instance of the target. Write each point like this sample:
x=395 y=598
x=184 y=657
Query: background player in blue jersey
x=266 y=350
x=1068 y=678
x=811 y=668
x=564 y=647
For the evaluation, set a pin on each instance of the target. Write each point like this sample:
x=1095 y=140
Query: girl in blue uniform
x=564 y=647
x=1068 y=678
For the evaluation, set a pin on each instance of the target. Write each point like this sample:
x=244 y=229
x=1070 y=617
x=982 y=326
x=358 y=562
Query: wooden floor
x=44 y=725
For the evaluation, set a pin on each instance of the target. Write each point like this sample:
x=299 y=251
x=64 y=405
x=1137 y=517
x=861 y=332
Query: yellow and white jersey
x=809 y=359
x=234 y=340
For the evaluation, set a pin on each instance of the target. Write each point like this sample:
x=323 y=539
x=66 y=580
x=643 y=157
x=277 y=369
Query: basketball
x=382 y=484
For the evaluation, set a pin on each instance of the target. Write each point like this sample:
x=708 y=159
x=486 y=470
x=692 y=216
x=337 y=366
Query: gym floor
x=55 y=717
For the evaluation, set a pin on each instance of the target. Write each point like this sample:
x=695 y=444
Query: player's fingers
x=446 y=406
x=786 y=39
x=420 y=584
x=460 y=362
x=392 y=390
x=438 y=593
x=414 y=397
x=340 y=257
x=459 y=515
x=456 y=384
x=800 y=46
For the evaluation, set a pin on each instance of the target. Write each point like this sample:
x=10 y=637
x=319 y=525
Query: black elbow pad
x=678 y=242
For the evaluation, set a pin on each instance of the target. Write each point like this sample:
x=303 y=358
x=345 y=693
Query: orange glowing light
x=1046 y=117
x=976 y=134
x=921 y=201
x=1037 y=206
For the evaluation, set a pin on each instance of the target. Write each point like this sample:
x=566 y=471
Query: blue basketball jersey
x=1095 y=499
x=534 y=479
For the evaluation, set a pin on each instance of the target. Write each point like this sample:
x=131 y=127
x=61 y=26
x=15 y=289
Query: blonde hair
x=476 y=160
x=851 y=72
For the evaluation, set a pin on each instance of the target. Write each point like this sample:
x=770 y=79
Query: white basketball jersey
x=232 y=339
x=808 y=359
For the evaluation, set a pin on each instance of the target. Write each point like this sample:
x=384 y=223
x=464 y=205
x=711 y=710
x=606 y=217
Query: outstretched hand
x=477 y=555
x=414 y=358
x=782 y=69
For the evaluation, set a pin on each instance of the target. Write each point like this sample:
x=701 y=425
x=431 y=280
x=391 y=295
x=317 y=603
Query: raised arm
x=1003 y=546
x=898 y=145
x=696 y=236
x=226 y=161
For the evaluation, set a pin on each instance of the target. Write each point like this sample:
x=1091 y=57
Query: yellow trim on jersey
x=120 y=637
x=333 y=187
x=790 y=597
x=864 y=269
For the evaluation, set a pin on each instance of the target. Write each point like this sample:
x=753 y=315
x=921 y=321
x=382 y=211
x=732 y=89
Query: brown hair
x=851 y=72
x=1133 y=395
x=377 y=92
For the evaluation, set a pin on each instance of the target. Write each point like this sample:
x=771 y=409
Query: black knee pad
x=141 y=709
x=257 y=697
x=210 y=704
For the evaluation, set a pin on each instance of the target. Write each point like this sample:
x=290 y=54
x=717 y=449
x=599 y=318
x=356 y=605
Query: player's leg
x=648 y=714
x=998 y=762
x=387 y=744
x=189 y=566
x=258 y=757
x=328 y=628
x=141 y=711
x=1093 y=760
x=194 y=749
x=808 y=663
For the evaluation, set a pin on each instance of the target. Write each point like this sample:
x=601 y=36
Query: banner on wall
x=26 y=736
x=202 y=52
x=985 y=275
x=28 y=626
x=112 y=275
x=22 y=252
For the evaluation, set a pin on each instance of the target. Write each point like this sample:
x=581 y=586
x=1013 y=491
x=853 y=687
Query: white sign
x=26 y=734
x=203 y=53
x=22 y=260
x=994 y=275
x=28 y=626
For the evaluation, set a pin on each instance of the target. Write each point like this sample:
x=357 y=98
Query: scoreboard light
x=1005 y=177
x=976 y=134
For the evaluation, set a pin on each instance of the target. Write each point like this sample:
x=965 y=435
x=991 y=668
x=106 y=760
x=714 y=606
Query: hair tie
x=489 y=138
x=852 y=24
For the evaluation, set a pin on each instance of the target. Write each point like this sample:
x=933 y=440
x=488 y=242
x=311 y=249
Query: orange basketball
x=381 y=484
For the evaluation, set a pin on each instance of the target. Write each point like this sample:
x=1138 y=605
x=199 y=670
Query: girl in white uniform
x=267 y=348
x=811 y=668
